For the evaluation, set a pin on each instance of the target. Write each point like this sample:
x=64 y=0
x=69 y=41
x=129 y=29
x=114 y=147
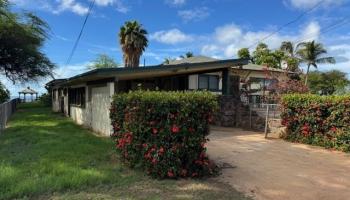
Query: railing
x=6 y=110
x=266 y=111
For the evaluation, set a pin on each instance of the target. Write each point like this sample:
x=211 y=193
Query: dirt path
x=275 y=169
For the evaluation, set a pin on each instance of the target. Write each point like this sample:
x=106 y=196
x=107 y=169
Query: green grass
x=46 y=156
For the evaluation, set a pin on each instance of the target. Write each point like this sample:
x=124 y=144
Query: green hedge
x=164 y=132
x=317 y=120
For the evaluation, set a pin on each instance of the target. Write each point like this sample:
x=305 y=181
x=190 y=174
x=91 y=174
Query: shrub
x=164 y=132
x=317 y=120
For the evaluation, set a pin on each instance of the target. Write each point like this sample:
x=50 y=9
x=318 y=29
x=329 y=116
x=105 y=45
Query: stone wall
x=233 y=113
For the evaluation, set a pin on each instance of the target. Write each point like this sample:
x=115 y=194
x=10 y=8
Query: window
x=77 y=96
x=208 y=82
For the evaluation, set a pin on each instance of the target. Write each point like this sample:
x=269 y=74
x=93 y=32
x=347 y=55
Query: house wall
x=95 y=113
x=55 y=101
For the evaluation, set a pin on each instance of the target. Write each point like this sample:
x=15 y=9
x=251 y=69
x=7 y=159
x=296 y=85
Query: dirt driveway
x=275 y=169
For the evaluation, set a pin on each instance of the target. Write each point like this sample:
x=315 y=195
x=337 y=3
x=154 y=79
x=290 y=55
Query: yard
x=46 y=156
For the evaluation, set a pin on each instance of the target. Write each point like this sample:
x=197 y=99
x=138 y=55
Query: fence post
x=266 y=120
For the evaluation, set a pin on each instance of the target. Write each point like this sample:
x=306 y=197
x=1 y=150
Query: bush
x=164 y=132
x=46 y=99
x=317 y=120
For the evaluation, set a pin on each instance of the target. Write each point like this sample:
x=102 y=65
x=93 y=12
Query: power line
x=288 y=23
x=81 y=32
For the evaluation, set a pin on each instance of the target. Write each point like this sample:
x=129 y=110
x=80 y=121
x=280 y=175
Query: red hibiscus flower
x=170 y=174
x=175 y=129
x=154 y=131
x=161 y=151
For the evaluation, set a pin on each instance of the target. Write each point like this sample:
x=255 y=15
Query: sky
x=215 y=28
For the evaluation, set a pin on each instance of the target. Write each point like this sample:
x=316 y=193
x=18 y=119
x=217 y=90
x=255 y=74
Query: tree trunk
x=307 y=73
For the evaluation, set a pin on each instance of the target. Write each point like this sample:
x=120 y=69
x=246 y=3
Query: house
x=86 y=97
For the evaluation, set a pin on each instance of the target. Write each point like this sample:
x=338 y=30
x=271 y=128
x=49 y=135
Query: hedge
x=164 y=132
x=317 y=120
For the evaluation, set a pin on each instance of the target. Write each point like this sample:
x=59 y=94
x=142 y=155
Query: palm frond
x=330 y=60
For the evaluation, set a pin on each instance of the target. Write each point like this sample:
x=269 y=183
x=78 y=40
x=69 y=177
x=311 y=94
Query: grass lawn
x=46 y=156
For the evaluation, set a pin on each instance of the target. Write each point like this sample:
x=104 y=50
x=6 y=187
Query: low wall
x=233 y=113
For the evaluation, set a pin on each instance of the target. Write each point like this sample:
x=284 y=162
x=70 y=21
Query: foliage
x=317 y=120
x=187 y=55
x=244 y=54
x=4 y=94
x=46 y=99
x=57 y=159
x=291 y=86
x=103 y=61
x=21 y=40
x=264 y=56
x=133 y=40
x=311 y=53
x=164 y=132
x=328 y=83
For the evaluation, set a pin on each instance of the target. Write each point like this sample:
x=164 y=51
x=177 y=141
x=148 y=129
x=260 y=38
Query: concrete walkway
x=275 y=169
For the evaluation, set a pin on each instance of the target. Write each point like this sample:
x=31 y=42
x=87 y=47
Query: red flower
x=334 y=129
x=175 y=129
x=144 y=145
x=161 y=151
x=170 y=174
x=191 y=130
x=154 y=131
x=154 y=161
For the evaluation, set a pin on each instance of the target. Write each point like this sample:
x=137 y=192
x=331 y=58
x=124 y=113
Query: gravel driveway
x=275 y=169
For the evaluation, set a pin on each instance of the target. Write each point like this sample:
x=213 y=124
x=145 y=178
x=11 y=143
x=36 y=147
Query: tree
x=328 y=83
x=103 y=61
x=22 y=37
x=244 y=54
x=264 y=56
x=288 y=48
x=4 y=94
x=133 y=41
x=311 y=53
x=187 y=55
x=289 y=56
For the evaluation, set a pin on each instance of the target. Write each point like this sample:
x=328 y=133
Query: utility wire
x=288 y=23
x=80 y=33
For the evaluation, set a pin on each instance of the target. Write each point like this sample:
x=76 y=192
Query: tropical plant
x=22 y=37
x=288 y=48
x=264 y=56
x=311 y=54
x=103 y=61
x=133 y=41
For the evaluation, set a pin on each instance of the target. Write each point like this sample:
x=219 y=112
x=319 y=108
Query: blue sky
x=216 y=28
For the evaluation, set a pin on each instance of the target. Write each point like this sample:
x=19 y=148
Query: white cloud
x=307 y=4
x=59 y=6
x=311 y=32
x=71 y=5
x=228 y=39
x=172 y=36
x=176 y=2
x=196 y=14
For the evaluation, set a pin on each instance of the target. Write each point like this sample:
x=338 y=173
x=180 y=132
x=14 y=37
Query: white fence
x=6 y=110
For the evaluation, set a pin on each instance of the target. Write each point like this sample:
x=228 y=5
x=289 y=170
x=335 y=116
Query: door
x=100 y=103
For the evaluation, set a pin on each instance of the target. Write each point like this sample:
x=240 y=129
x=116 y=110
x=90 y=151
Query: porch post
x=226 y=82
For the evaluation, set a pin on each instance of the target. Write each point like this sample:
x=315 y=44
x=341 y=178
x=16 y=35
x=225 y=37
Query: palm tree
x=288 y=48
x=133 y=41
x=311 y=54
